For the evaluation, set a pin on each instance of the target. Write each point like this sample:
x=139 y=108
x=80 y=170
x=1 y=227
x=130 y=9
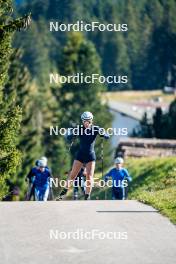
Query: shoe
x=62 y=194
x=75 y=196
x=87 y=197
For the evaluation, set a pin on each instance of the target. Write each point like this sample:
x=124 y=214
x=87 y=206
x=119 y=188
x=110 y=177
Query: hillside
x=145 y=53
x=154 y=182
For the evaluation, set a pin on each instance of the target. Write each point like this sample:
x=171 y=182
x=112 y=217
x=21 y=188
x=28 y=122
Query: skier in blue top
x=30 y=179
x=51 y=194
x=120 y=180
x=40 y=178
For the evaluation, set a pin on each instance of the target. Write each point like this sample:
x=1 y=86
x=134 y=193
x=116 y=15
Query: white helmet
x=86 y=116
x=119 y=160
x=41 y=163
x=44 y=159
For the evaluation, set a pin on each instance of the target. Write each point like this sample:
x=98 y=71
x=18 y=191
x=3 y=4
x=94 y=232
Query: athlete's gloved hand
x=68 y=135
x=106 y=136
x=106 y=178
x=129 y=179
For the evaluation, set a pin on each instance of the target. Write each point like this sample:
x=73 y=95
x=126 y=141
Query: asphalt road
x=108 y=231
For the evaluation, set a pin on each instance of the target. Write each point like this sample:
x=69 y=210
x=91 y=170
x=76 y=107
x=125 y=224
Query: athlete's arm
x=127 y=176
x=30 y=175
x=108 y=175
x=106 y=136
x=102 y=133
x=49 y=171
x=70 y=135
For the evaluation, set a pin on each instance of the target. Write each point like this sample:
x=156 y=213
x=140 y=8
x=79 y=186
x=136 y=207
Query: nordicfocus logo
x=79 y=131
x=55 y=182
x=81 y=234
x=81 y=26
x=80 y=78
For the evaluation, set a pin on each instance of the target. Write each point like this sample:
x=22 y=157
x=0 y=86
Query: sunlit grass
x=136 y=96
x=154 y=183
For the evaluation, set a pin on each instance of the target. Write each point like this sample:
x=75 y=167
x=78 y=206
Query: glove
x=106 y=136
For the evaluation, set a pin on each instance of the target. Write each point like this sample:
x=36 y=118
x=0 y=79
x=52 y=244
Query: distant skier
x=120 y=180
x=30 y=178
x=41 y=179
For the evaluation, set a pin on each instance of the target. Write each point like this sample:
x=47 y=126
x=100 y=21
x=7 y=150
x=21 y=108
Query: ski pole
x=102 y=163
x=63 y=161
x=102 y=158
x=3 y=197
x=67 y=151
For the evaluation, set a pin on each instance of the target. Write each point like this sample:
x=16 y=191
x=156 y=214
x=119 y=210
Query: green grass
x=137 y=96
x=154 y=183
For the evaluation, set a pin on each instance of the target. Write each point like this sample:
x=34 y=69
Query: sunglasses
x=87 y=121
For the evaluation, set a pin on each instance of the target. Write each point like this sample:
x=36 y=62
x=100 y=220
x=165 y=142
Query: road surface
x=108 y=231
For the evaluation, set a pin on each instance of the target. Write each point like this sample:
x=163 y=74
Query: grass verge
x=154 y=183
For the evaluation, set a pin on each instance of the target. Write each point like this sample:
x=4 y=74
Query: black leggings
x=85 y=157
x=118 y=193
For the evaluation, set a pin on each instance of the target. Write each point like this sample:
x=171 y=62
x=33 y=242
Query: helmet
x=36 y=163
x=45 y=160
x=119 y=160
x=41 y=163
x=86 y=116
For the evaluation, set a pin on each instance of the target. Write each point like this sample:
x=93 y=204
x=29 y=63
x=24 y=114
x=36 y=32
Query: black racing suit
x=87 y=137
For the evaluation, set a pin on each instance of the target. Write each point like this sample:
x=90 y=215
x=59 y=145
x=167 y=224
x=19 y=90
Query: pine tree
x=145 y=128
x=171 y=130
x=34 y=140
x=157 y=123
x=161 y=58
x=79 y=56
x=117 y=61
x=133 y=40
x=10 y=117
x=54 y=146
x=146 y=52
x=24 y=92
x=37 y=47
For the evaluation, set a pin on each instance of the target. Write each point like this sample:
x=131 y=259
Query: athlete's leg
x=121 y=193
x=77 y=165
x=45 y=194
x=32 y=192
x=75 y=188
x=90 y=168
x=113 y=193
x=82 y=184
x=37 y=193
x=118 y=193
x=71 y=177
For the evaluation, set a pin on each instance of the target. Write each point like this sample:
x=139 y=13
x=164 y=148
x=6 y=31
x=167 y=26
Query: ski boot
x=62 y=194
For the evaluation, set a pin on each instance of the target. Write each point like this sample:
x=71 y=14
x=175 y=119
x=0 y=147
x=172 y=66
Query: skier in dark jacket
x=86 y=153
